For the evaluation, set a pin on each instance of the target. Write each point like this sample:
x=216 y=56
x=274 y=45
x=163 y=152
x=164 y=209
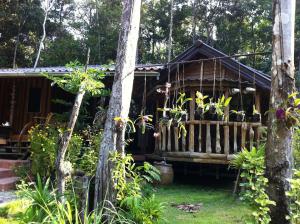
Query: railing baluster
x=235 y=137
x=244 y=130
x=183 y=140
x=208 y=138
x=218 y=145
x=251 y=136
x=176 y=139
x=169 y=139
x=191 y=138
x=226 y=139
x=164 y=130
x=200 y=138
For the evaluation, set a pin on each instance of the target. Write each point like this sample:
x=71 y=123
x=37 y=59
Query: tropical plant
x=219 y=106
x=144 y=122
x=44 y=146
x=252 y=167
x=240 y=114
x=289 y=110
x=200 y=100
x=294 y=195
x=45 y=207
x=131 y=183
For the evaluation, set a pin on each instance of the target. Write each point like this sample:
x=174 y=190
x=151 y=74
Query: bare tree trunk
x=170 y=32
x=119 y=104
x=279 y=143
x=64 y=141
x=194 y=21
x=49 y=5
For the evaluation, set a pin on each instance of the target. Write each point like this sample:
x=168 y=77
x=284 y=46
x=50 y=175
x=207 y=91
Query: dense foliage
x=254 y=183
x=72 y=26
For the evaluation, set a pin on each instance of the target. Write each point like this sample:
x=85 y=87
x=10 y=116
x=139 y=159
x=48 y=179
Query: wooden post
x=200 y=137
x=257 y=101
x=235 y=137
x=251 y=136
x=226 y=139
x=244 y=130
x=12 y=103
x=164 y=130
x=183 y=140
x=169 y=139
x=218 y=146
x=176 y=139
x=208 y=138
x=191 y=126
x=160 y=137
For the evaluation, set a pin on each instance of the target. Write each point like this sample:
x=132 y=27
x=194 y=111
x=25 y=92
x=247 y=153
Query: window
x=34 y=102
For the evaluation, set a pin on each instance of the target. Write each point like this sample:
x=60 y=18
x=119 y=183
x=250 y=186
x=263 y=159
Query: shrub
x=296 y=148
x=46 y=208
x=294 y=195
x=138 y=203
x=44 y=146
x=252 y=167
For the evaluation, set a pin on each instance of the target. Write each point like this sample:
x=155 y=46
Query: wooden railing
x=207 y=139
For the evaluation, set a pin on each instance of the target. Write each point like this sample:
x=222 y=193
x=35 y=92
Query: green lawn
x=219 y=207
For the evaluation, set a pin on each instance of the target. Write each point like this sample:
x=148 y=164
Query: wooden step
x=5 y=173
x=8 y=183
x=10 y=164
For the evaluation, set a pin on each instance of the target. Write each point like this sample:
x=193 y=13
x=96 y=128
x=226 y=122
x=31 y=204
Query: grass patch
x=219 y=206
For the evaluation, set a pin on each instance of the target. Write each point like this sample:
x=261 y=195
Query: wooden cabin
x=26 y=98
x=205 y=69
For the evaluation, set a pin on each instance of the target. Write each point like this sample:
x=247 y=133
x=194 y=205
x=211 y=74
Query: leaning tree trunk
x=64 y=141
x=119 y=104
x=279 y=143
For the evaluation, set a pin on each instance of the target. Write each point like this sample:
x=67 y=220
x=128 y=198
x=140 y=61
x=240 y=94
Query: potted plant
x=201 y=105
x=216 y=109
x=177 y=112
x=256 y=116
x=239 y=115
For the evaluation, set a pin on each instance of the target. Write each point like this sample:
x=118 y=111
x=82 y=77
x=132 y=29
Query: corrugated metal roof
x=142 y=69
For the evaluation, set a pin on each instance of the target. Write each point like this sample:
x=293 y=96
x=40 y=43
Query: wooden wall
x=21 y=116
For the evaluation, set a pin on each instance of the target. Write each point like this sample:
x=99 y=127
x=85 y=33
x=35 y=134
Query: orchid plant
x=289 y=110
x=219 y=106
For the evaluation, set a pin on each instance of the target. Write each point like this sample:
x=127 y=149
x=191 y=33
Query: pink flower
x=280 y=114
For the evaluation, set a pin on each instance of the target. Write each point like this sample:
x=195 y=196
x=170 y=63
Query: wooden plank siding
x=21 y=115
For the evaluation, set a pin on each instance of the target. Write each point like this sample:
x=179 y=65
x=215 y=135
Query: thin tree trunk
x=279 y=143
x=170 y=32
x=48 y=7
x=66 y=137
x=119 y=104
x=194 y=21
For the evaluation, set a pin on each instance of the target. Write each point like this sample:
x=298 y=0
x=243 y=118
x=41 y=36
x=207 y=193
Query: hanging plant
x=201 y=105
x=239 y=116
x=216 y=109
x=256 y=116
x=289 y=111
x=144 y=122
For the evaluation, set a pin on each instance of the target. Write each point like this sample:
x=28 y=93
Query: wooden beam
x=218 y=145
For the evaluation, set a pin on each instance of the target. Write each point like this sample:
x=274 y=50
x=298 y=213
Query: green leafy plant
x=240 y=114
x=289 y=110
x=219 y=106
x=200 y=100
x=294 y=195
x=130 y=183
x=144 y=122
x=252 y=167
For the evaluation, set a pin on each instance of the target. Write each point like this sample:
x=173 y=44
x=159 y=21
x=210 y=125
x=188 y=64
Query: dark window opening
x=34 y=103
